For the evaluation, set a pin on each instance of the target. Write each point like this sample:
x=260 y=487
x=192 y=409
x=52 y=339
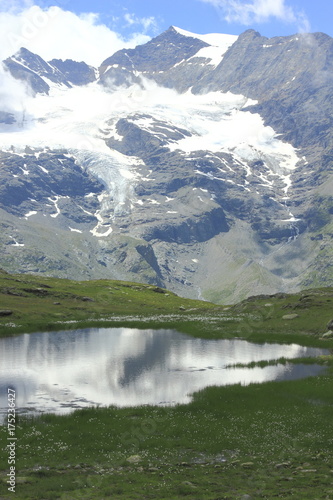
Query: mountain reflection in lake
x=125 y=367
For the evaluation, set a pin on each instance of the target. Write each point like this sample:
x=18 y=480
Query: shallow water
x=60 y=371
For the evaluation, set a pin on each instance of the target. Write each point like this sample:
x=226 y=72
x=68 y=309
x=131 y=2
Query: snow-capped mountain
x=201 y=163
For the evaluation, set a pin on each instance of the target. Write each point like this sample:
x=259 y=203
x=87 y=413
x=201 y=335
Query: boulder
x=329 y=325
x=134 y=459
x=188 y=484
x=5 y=312
x=87 y=299
x=290 y=316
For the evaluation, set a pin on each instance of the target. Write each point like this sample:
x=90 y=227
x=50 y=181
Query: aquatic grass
x=321 y=360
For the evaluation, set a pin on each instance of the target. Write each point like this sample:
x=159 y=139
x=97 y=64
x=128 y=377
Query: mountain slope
x=41 y=75
x=201 y=163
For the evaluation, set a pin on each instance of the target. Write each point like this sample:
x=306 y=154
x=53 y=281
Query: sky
x=93 y=30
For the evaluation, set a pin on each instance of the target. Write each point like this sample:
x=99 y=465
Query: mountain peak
x=24 y=52
x=31 y=60
x=159 y=54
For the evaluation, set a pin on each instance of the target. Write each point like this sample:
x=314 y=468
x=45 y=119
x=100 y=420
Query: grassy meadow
x=271 y=440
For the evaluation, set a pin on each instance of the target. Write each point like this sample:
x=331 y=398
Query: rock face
x=36 y=72
x=157 y=57
x=202 y=164
x=76 y=73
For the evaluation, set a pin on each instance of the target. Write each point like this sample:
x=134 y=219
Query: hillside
x=31 y=303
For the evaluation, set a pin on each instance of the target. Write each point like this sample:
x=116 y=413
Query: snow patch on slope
x=215 y=39
x=214 y=55
x=218 y=123
x=219 y=44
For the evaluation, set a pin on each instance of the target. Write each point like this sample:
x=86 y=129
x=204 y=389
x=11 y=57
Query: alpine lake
x=57 y=372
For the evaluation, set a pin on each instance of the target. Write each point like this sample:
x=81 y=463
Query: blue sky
x=93 y=30
x=269 y=17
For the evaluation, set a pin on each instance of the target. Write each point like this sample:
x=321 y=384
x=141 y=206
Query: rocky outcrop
x=192 y=230
x=24 y=74
x=37 y=73
x=44 y=180
x=76 y=73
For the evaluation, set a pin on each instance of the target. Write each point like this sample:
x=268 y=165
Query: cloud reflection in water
x=60 y=371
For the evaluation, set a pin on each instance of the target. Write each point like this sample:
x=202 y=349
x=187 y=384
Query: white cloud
x=51 y=33
x=56 y=33
x=14 y=96
x=248 y=12
x=146 y=22
x=15 y=6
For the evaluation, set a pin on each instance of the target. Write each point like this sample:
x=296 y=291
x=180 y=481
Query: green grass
x=48 y=304
x=40 y=303
x=321 y=360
